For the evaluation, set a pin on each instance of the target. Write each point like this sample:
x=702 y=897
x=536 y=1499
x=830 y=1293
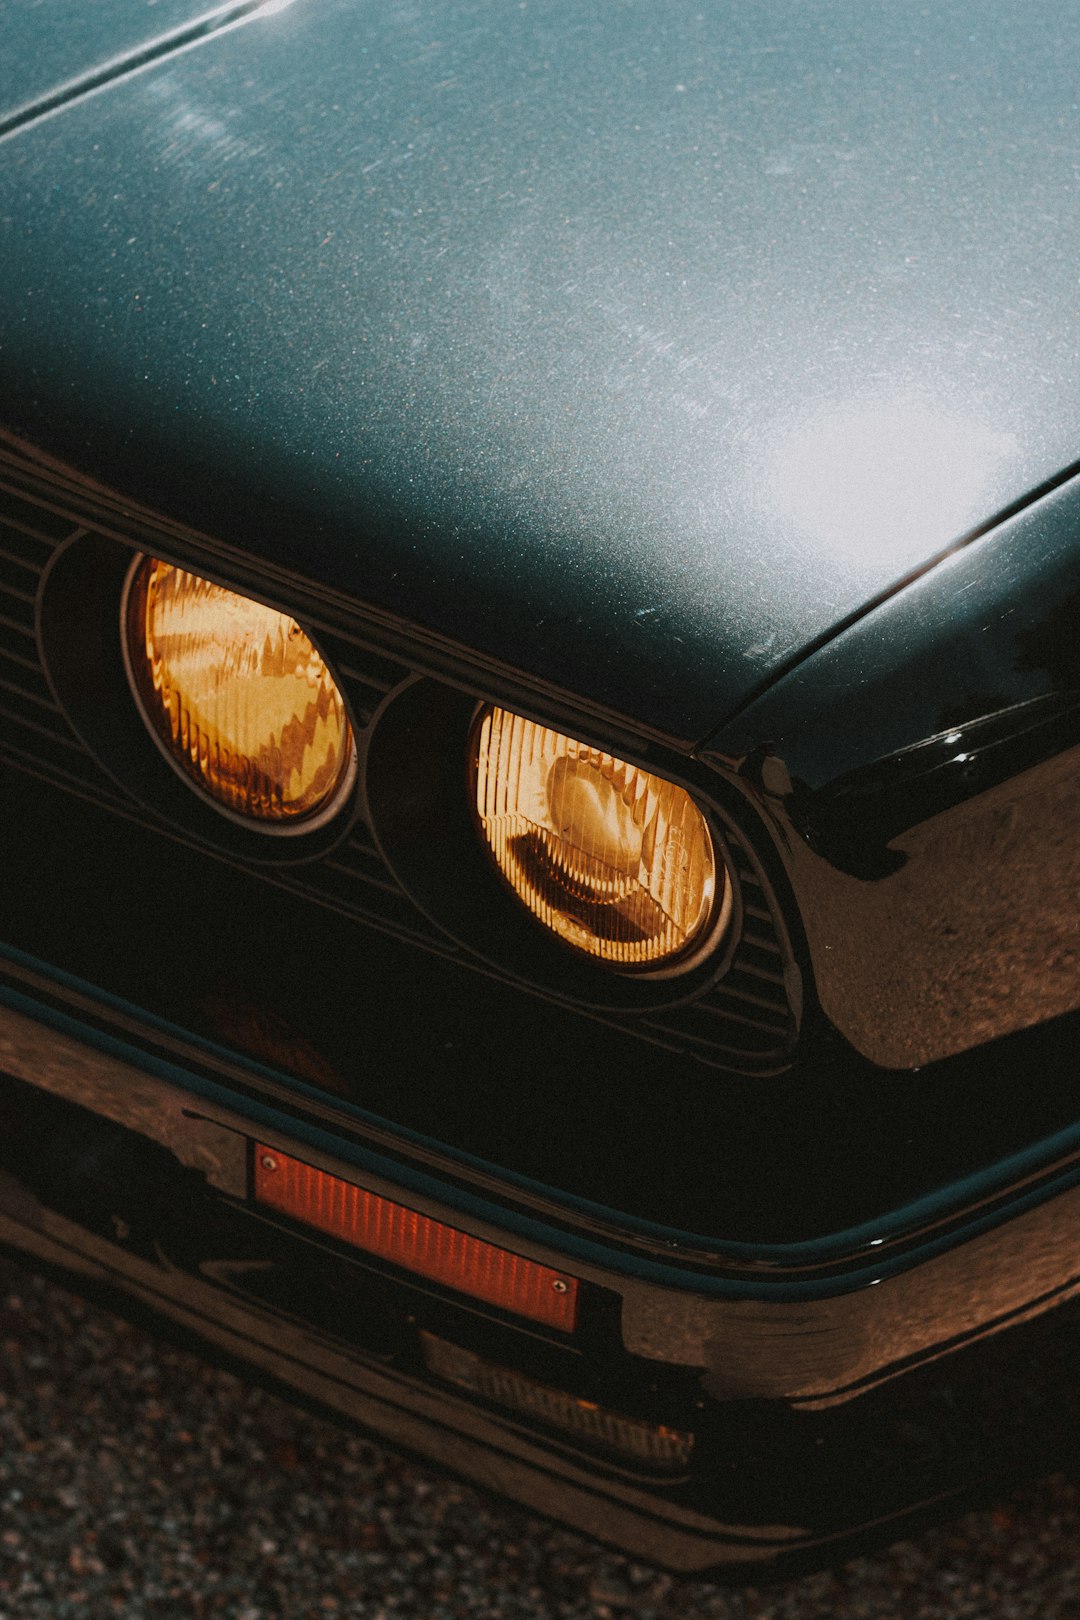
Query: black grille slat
x=54 y=759
x=18 y=580
x=361 y=843
x=741 y=1043
x=728 y=1021
x=694 y=1022
x=380 y=881
x=378 y=905
x=17 y=617
x=765 y=975
x=777 y=1004
x=23 y=538
x=57 y=733
x=701 y=1012
x=362 y=865
x=27 y=684
x=726 y=991
x=22 y=557
x=33 y=518
x=20 y=661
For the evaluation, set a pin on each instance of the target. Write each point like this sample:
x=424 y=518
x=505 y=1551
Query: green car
x=540 y=730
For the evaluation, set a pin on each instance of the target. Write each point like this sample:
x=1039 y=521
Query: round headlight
x=614 y=860
x=238 y=698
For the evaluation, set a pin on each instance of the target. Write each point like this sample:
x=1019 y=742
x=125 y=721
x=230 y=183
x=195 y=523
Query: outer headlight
x=617 y=862
x=238 y=698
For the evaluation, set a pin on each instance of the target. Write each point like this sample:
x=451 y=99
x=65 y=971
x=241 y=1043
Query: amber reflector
x=238 y=696
x=415 y=1242
x=652 y=1444
x=614 y=860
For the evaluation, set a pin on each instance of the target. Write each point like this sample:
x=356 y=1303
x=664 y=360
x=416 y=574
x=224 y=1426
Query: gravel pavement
x=136 y=1481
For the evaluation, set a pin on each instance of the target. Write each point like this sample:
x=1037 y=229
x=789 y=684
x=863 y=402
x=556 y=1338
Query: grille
x=35 y=733
x=36 y=736
x=743 y=1021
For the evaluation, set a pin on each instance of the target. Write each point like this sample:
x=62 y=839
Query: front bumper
x=824 y=1405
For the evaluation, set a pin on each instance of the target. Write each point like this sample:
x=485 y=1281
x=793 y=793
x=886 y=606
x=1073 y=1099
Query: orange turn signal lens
x=612 y=859
x=415 y=1242
x=238 y=698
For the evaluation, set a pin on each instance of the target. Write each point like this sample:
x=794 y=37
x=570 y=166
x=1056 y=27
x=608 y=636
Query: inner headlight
x=238 y=697
x=614 y=860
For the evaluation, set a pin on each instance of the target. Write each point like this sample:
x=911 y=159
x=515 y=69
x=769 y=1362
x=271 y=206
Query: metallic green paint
x=635 y=347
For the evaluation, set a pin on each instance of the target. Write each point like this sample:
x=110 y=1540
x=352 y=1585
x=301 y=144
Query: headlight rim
x=345 y=792
x=702 y=948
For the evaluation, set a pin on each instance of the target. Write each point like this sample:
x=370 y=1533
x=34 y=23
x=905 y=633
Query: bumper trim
x=830 y=1262
x=430 y=1421
x=758 y=1341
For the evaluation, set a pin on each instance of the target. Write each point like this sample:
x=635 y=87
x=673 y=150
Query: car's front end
x=628 y=1051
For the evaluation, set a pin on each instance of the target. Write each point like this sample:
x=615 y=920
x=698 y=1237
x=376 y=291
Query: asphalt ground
x=136 y=1480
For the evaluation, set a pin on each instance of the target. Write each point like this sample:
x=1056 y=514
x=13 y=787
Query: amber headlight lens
x=238 y=697
x=614 y=860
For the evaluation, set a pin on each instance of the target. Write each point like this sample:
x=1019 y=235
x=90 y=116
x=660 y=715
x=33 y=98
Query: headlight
x=617 y=862
x=238 y=698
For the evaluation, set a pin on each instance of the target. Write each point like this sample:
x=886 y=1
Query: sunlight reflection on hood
x=889 y=478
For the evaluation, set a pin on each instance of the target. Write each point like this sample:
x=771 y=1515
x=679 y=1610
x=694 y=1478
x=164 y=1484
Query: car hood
x=635 y=346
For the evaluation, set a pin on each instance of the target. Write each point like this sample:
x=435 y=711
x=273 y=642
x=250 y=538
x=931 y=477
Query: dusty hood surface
x=637 y=345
